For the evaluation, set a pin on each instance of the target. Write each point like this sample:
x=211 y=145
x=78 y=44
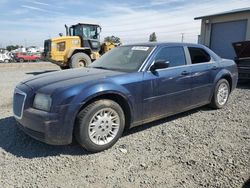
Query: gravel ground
x=199 y=148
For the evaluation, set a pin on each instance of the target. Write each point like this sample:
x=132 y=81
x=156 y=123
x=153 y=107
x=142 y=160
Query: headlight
x=42 y=102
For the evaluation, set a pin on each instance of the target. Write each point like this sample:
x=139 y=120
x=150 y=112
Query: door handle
x=184 y=73
x=214 y=67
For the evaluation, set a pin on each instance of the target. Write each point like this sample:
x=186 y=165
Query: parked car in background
x=242 y=59
x=5 y=58
x=22 y=57
x=128 y=86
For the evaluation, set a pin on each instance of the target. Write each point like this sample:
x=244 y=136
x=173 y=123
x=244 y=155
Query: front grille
x=47 y=48
x=244 y=76
x=243 y=63
x=18 y=103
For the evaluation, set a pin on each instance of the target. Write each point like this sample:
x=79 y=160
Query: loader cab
x=89 y=34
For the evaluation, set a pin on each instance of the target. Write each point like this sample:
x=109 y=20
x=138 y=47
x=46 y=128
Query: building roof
x=225 y=13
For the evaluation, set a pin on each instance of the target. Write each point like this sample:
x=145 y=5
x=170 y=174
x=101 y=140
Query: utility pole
x=25 y=43
x=182 y=37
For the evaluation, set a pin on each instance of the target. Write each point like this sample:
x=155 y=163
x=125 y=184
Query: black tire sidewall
x=83 y=125
x=74 y=62
x=216 y=104
x=64 y=68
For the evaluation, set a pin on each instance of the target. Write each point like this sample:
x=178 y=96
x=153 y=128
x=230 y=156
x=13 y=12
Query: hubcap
x=104 y=126
x=222 y=94
x=81 y=63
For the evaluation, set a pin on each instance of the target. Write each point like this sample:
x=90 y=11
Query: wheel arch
x=225 y=74
x=73 y=51
x=229 y=79
x=111 y=95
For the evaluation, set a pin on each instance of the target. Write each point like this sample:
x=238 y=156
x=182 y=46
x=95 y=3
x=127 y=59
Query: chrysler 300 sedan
x=128 y=86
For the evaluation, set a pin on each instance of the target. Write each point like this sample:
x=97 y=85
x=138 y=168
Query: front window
x=174 y=55
x=123 y=58
x=86 y=31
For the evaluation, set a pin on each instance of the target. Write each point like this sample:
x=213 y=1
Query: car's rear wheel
x=221 y=94
x=79 y=60
x=21 y=60
x=99 y=125
x=6 y=61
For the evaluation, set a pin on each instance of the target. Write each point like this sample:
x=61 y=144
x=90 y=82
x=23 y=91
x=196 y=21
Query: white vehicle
x=4 y=58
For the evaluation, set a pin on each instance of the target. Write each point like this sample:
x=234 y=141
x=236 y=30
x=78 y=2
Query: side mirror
x=159 y=64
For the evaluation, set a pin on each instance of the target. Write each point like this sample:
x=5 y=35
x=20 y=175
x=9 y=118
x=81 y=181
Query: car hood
x=67 y=78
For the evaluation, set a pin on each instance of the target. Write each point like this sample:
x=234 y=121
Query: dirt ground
x=198 y=148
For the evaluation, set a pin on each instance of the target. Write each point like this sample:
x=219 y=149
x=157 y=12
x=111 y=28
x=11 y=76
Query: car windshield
x=123 y=58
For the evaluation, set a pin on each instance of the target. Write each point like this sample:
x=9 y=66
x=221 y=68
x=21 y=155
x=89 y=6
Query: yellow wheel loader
x=78 y=48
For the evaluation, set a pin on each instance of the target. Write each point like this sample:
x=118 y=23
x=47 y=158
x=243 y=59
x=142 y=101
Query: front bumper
x=44 y=126
x=50 y=127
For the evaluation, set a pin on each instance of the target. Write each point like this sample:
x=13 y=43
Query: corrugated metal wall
x=224 y=34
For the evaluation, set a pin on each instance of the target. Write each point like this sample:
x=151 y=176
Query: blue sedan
x=128 y=86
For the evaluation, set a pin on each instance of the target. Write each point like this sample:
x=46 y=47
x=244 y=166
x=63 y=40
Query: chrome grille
x=18 y=103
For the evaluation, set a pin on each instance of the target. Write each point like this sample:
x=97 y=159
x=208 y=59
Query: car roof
x=166 y=44
x=155 y=44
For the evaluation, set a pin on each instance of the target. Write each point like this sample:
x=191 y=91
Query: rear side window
x=199 y=55
x=175 y=56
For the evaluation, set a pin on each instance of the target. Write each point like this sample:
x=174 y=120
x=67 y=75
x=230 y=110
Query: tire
x=220 y=96
x=64 y=68
x=6 y=61
x=94 y=120
x=79 y=60
x=21 y=60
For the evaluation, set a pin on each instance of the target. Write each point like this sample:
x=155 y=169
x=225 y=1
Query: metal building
x=219 y=31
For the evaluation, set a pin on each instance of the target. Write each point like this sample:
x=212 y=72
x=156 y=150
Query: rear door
x=167 y=91
x=202 y=68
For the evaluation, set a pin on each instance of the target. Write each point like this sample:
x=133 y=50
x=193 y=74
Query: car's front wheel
x=221 y=94
x=99 y=125
x=6 y=61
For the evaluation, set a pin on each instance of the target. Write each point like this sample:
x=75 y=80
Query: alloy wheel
x=104 y=126
x=222 y=94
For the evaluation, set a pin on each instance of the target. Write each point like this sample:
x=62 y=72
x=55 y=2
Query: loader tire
x=79 y=60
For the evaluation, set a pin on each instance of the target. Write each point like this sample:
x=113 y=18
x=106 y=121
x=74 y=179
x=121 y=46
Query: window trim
x=200 y=48
x=157 y=51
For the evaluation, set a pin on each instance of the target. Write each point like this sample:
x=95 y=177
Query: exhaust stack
x=67 y=30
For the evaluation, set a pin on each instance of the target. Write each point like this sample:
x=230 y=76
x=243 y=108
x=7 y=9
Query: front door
x=167 y=91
